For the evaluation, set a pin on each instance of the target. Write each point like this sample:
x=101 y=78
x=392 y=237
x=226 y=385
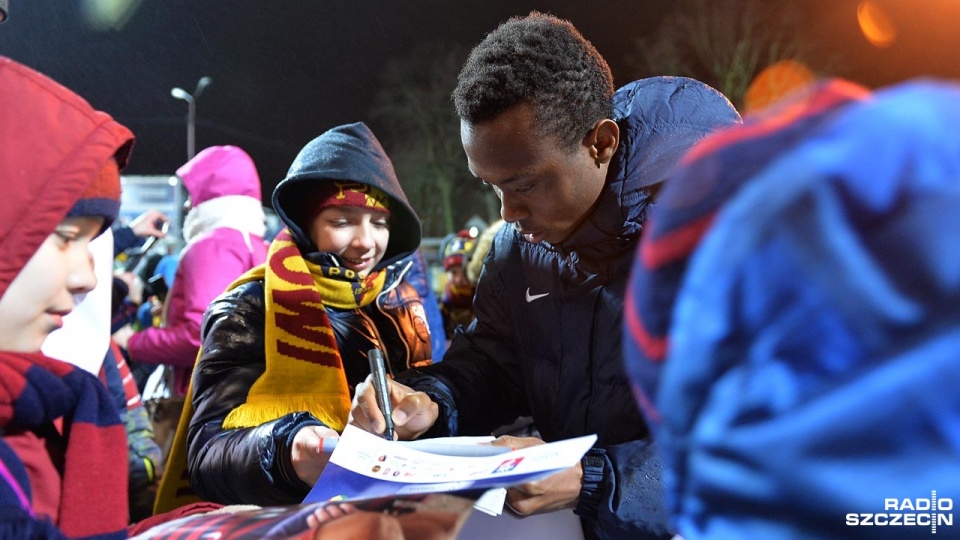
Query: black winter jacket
x=546 y=338
x=252 y=465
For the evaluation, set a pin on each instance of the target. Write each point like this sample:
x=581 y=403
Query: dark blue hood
x=348 y=152
x=660 y=118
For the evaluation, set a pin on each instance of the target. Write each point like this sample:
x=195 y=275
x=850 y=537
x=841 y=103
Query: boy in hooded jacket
x=284 y=348
x=60 y=162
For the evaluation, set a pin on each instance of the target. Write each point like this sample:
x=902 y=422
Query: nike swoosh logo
x=532 y=297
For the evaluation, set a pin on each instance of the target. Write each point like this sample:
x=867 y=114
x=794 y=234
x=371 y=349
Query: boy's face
x=458 y=277
x=42 y=293
x=359 y=236
x=545 y=191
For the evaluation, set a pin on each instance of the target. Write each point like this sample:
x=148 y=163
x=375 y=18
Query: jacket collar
x=660 y=118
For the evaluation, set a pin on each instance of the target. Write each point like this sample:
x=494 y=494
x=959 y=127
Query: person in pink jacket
x=224 y=234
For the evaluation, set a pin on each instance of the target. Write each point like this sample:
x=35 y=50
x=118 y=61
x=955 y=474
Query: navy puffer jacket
x=558 y=358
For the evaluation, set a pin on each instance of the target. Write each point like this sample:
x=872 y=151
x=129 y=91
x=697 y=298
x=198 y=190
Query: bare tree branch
x=724 y=43
x=420 y=130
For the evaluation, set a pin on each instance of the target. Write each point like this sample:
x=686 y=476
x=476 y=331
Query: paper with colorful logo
x=365 y=466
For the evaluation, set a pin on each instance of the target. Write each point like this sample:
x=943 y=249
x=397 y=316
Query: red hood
x=52 y=144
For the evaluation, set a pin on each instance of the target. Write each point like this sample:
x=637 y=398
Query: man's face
x=545 y=191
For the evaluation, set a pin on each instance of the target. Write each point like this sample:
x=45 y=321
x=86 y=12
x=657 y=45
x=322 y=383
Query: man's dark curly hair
x=541 y=60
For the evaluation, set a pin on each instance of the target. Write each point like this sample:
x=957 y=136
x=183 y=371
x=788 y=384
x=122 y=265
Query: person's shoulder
x=660 y=118
x=245 y=293
x=219 y=245
x=668 y=99
x=246 y=301
x=399 y=270
x=398 y=294
x=226 y=239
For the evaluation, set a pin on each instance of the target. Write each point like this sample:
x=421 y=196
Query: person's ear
x=603 y=140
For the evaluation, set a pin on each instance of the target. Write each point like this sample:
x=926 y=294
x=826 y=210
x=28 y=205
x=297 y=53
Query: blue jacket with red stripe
x=793 y=320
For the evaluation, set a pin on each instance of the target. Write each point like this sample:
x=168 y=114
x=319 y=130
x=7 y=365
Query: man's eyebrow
x=509 y=180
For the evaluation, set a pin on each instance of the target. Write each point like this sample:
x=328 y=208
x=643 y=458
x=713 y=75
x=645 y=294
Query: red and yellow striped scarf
x=304 y=371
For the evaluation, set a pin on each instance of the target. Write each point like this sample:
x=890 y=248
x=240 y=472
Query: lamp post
x=191 y=100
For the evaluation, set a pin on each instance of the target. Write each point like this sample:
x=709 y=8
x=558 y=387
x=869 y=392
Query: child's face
x=42 y=293
x=357 y=235
x=458 y=277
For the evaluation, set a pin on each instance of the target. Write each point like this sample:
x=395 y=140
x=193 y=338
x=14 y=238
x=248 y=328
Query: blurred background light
x=108 y=14
x=774 y=82
x=876 y=23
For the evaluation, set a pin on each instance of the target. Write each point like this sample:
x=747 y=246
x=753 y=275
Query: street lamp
x=191 y=100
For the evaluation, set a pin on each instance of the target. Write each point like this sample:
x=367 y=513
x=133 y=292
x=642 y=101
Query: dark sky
x=283 y=71
x=286 y=70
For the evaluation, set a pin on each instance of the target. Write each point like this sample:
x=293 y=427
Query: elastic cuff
x=284 y=431
x=594 y=463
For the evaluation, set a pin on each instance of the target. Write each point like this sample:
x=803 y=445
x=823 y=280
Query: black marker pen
x=379 y=372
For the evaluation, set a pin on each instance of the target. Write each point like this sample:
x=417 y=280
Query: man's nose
x=511 y=209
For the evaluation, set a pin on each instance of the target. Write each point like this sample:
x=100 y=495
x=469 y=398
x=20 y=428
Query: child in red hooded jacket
x=62 y=440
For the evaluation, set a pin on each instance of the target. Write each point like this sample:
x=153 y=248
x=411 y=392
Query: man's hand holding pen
x=413 y=412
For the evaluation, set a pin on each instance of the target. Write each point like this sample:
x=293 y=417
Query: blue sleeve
x=144 y=315
x=124 y=239
x=622 y=493
x=438 y=336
